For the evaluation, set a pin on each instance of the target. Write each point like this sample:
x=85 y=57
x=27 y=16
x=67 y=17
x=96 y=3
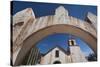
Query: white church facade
x=59 y=55
x=54 y=56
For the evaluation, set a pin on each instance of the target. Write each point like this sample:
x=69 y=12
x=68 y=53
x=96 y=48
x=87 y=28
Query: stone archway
x=60 y=28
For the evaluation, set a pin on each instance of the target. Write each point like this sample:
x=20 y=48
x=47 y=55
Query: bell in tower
x=71 y=42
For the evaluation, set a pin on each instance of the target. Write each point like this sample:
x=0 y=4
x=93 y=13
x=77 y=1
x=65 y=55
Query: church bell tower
x=75 y=51
x=71 y=42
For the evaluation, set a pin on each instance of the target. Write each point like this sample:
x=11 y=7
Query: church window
x=57 y=53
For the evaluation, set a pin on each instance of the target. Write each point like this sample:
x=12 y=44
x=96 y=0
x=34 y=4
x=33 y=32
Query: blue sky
x=43 y=9
x=61 y=39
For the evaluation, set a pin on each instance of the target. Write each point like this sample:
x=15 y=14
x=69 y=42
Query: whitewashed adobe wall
x=76 y=54
x=50 y=58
